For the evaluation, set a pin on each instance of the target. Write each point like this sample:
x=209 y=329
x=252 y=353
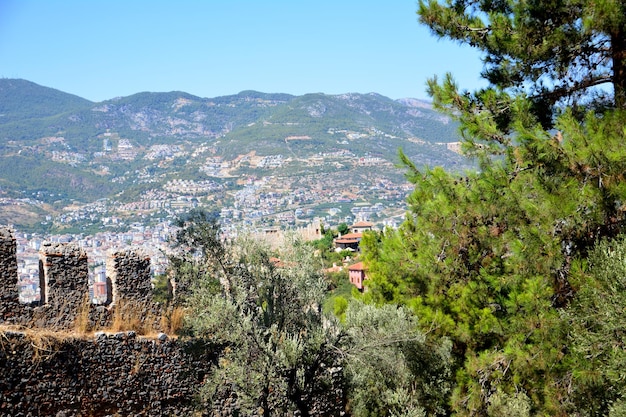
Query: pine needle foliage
x=491 y=259
x=486 y=259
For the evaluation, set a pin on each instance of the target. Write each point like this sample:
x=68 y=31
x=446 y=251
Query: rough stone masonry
x=105 y=375
x=48 y=369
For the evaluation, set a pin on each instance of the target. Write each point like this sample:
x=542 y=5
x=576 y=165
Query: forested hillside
x=30 y=112
x=58 y=148
x=22 y=100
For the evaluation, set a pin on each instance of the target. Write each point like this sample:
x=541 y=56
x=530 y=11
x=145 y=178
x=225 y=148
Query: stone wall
x=49 y=370
x=129 y=272
x=65 y=290
x=64 y=286
x=9 y=297
x=115 y=374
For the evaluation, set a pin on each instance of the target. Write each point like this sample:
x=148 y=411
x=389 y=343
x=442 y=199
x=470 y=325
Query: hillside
x=56 y=147
x=22 y=100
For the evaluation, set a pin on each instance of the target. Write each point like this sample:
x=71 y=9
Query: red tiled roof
x=349 y=238
x=359 y=266
x=363 y=224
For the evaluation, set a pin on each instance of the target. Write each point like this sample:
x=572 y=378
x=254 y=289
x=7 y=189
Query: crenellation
x=9 y=295
x=64 y=287
x=66 y=279
x=130 y=275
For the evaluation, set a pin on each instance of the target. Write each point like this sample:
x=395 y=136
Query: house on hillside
x=357 y=274
x=349 y=241
x=334 y=269
x=360 y=227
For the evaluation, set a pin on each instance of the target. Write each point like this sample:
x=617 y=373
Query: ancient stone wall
x=129 y=272
x=64 y=288
x=48 y=369
x=9 y=297
x=109 y=374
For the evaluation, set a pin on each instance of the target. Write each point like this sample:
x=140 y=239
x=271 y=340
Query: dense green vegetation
x=50 y=181
x=501 y=294
x=21 y=99
x=280 y=353
x=506 y=262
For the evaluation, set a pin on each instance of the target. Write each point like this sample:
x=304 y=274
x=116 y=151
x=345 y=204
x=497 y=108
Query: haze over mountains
x=59 y=150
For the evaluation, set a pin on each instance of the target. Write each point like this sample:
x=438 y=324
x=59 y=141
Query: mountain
x=57 y=147
x=22 y=100
x=29 y=112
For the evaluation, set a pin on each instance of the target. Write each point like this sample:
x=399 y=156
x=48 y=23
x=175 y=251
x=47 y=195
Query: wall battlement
x=109 y=373
x=64 y=287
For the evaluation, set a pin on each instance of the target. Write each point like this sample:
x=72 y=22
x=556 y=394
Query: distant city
x=118 y=173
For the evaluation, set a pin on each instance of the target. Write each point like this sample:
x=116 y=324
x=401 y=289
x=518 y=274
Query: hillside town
x=156 y=243
x=263 y=199
x=263 y=193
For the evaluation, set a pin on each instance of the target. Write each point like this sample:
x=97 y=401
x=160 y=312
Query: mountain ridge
x=69 y=149
x=46 y=102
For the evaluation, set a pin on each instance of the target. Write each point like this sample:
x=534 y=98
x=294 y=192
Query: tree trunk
x=618 y=54
x=295 y=394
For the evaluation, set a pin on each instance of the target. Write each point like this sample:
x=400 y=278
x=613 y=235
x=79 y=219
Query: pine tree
x=488 y=258
x=558 y=53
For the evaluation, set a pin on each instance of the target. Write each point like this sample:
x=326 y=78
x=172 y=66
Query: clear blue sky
x=100 y=49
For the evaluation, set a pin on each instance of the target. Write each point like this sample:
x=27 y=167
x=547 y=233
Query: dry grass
x=45 y=343
x=134 y=316
x=173 y=319
x=82 y=322
x=144 y=320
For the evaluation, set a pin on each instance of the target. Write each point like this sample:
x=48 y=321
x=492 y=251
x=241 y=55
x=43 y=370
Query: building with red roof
x=357 y=274
x=360 y=227
x=349 y=241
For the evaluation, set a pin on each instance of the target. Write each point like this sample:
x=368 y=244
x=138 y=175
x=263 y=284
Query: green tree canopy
x=280 y=355
x=490 y=259
x=559 y=53
x=392 y=369
x=597 y=336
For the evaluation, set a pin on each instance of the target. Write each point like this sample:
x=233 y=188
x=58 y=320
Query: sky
x=101 y=49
